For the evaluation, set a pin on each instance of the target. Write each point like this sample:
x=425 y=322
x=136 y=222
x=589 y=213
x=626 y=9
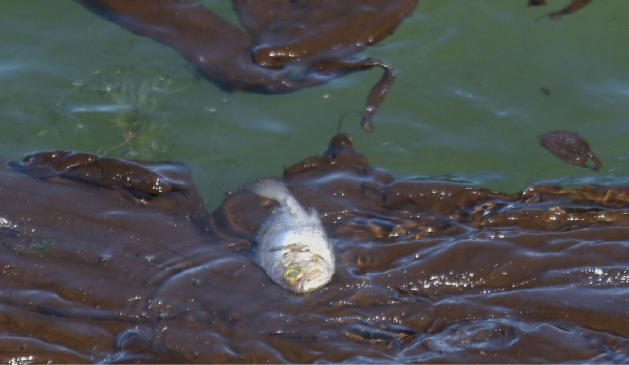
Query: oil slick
x=294 y=250
x=542 y=256
x=317 y=37
x=569 y=147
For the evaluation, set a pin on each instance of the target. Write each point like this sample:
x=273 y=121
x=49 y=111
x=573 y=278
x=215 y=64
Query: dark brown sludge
x=426 y=271
x=317 y=34
x=569 y=147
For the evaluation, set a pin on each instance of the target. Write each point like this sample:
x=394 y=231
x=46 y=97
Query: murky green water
x=467 y=104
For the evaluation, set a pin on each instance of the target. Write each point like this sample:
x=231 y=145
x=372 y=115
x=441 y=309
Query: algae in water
x=119 y=116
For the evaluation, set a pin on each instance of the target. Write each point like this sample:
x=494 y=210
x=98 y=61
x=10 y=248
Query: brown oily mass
x=569 y=147
x=94 y=271
x=316 y=35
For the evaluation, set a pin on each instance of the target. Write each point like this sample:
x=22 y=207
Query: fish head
x=307 y=273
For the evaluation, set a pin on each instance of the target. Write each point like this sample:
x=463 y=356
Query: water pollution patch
x=287 y=46
x=425 y=270
x=570 y=147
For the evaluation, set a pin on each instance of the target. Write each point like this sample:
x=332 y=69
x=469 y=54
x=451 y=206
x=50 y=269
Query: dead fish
x=294 y=249
x=569 y=147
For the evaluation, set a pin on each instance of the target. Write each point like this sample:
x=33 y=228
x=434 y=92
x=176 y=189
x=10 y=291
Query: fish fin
x=271 y=189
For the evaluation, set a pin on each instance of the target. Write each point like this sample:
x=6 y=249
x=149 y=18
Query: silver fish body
x=293 y=250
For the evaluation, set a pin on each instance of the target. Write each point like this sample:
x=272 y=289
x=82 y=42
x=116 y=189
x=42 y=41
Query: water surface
x=467 y=107
x=467 y=103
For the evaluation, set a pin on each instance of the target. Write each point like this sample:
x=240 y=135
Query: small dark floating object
x=537 y=2
x=569 y=147
x=545 y=91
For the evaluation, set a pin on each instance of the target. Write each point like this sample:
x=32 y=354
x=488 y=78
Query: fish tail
x=271 y=189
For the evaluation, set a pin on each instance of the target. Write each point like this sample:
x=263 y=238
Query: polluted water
x=425 y=271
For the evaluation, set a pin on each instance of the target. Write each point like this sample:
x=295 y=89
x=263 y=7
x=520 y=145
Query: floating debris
x=133 y=107
x=139 y=108
x=569 y=147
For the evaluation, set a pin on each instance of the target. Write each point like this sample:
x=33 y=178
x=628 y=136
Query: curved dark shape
x=306 y=31
x=569 y=147
x=573 y=7
x=316 y=34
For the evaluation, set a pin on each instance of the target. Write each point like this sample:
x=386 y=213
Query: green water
x=466 y=105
